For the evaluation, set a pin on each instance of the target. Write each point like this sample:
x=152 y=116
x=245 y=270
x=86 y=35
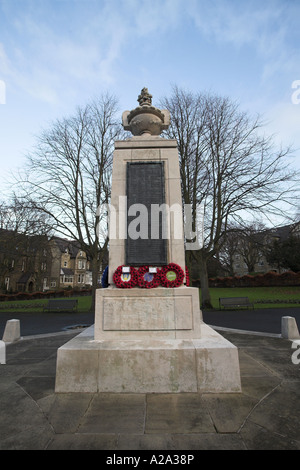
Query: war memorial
x=148 y=335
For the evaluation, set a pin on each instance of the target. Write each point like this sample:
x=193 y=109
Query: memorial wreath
x=168 y=276
x=125 y=280
x=147 y=279
x=171 y=275
x=187 y=277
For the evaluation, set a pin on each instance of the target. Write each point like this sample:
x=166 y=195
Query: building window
x=66 y=279
x=53 y=284
x=7 y=283
x=81 y=264
x=80 y=278
x=65 y=264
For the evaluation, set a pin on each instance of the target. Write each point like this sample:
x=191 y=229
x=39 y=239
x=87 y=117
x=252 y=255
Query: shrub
x=269 y=279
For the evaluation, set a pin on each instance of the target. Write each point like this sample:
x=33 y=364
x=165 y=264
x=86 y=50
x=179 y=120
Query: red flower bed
x=268 y=279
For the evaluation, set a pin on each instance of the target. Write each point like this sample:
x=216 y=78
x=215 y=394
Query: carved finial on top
x=146 y=119
x=145 y=99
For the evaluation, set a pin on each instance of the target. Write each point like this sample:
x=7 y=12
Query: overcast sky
x=57 y=54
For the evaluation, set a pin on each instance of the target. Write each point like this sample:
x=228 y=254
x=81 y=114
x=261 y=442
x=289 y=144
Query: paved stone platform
x=266 y=415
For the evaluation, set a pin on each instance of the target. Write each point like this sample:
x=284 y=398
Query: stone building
x=70 y=265
x=256 y=248
x=35 y=263
x=25 y=261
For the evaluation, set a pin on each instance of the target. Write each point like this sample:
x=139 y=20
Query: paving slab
x=230 y=411
x=265 y=416
x=256 y=437
x=280 y=412
x=177 y=413
x=84 y=442
x=67 y=410
x=19 y=412
x=115 y=413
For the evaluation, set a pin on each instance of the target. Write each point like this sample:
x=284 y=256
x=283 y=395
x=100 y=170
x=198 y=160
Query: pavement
x=35 y=323
x=265 y=320
x=265 y=416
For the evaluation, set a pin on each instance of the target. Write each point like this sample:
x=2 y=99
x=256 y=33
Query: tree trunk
x=95 y=271
x=188 y=263
x=205 y=295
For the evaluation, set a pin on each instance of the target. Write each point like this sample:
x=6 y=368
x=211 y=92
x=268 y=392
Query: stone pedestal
x=139 y=314
x=206 y=365
x=148 y=341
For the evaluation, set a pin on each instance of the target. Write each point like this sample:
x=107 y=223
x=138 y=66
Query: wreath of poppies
x=187 y=277
x=146 y=279
x=167 y=274
x=123 y=283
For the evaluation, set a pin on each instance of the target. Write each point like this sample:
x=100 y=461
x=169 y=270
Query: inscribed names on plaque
x=145 y=186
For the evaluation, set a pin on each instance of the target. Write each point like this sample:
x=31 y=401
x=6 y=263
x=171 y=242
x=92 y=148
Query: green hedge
x=43 y=295
x=270 y=279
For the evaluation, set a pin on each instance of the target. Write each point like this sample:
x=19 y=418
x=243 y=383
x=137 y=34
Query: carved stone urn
x=146 y=119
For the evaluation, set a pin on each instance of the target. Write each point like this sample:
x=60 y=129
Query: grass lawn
x=259 y=295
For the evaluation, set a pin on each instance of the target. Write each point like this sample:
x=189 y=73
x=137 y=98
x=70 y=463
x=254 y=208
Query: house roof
x=67 y=271
x=24 y=278
x=72 y=246
x=283 y=232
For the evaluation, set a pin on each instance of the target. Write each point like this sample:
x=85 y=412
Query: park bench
x=236 y=302
x=61 y=305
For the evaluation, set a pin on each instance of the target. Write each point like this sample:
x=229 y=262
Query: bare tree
x=19 y=218
x=228 y=165
x=228 y=250
x=68 y=175
x=23 y=236
x=247 y=242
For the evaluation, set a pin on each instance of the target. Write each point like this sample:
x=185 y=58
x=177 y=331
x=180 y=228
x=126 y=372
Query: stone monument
x=149 y=335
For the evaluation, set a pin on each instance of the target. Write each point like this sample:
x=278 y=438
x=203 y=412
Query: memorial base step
x=208 y=364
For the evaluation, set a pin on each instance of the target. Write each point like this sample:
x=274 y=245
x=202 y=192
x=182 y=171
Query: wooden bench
x=62 y=305
x=236 y=302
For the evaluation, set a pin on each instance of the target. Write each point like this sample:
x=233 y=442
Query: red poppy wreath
x=125 y=280
x=187 y=277
x=147 y=279
x=171 y=275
